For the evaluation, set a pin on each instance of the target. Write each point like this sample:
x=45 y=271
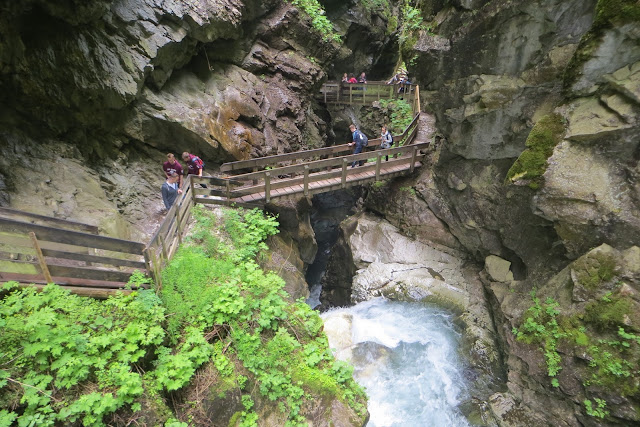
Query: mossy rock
x=542 y=139
x=608 y=14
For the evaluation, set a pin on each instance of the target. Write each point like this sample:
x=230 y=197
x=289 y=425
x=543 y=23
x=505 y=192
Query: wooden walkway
x=257 y=181
x=36 y=250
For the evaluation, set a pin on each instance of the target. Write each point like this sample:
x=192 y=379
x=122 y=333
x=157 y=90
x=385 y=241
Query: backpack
x=385 y=143
x=197 y=162
x=363 y=139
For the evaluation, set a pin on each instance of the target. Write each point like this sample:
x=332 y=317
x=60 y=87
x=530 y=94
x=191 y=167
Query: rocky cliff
x=538 y=105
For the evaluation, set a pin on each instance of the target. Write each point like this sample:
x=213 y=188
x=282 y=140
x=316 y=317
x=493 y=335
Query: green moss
x=542 y=139
x=317 y=382
x=607 y=314
x=593 y=271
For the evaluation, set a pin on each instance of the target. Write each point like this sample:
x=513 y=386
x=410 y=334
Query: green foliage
x=541 y=141
x=68 y=359
x=600 y=411
x=401 y=114
x=409 y=190
x=267 y=335
x=613 y=353
x=318 y=19
x=541 y=327
x=411 y=24
x=71 y=358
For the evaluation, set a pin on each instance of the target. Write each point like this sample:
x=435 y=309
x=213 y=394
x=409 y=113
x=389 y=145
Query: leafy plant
x=318 y=19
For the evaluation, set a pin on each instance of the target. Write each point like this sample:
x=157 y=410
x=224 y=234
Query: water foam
x=405 y=356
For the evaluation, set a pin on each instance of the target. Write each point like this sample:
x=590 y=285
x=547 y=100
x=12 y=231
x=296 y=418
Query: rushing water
x=405 y=356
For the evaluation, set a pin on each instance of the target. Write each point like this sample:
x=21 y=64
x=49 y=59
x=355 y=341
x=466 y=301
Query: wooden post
x=178 y=225
x=350 y=93
x=413 y=159
x=165 y=255
x=306 y=180
x=255 y=180
x=267 y=186
x=345 y=163
x=147 y=263
x=193 y=188
x=41 y=260
x=156 y=268
x=378 y=162
x=228 y=192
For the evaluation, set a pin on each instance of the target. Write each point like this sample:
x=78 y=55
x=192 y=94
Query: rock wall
x=538 y=196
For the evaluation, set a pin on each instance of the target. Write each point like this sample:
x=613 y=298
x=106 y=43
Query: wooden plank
x=89 y=273
x=19 y=267
x=45 y=233
x=94 y=259
x=20 y=243
x=63 y=281
x=46 y=220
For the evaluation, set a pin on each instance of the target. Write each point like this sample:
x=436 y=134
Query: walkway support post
x=267 y=186
x=378 y=161
x=306 y=180
x=345 y=163
x=414 y=153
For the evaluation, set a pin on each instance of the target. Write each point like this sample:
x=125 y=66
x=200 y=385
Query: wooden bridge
x=37 y=250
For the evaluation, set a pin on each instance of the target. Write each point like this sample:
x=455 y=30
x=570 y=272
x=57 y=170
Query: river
x=405 y=355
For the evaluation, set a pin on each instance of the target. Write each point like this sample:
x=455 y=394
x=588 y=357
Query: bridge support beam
x=305 y=188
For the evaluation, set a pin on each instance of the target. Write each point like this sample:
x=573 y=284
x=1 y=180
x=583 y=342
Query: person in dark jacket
x=170 y=190
x=357 y=142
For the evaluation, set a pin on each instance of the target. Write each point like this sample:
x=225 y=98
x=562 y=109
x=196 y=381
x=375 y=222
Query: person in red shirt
x=172 y=165
x=194 y=164
x=352 y=78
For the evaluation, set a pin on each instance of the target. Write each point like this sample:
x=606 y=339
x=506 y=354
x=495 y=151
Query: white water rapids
x=405 y=356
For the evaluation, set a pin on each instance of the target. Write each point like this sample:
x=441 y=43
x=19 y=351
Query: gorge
x=531 y=188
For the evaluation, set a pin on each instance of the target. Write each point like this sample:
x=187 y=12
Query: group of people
x=359 y=140
x=351 y=78
x=401 y=79
x=173 y=171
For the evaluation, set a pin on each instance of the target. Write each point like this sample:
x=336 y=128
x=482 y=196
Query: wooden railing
x=367 y=93
x=310 y=155
x=41 y=250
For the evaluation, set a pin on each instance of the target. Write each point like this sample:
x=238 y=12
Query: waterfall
x=405 y=355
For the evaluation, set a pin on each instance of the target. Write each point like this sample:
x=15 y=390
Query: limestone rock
x=498 y=269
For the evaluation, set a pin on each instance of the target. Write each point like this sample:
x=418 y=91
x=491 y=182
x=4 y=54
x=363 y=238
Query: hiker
x=194 y=164
x=345 y=78
x=352 y=79
x=359 y=140
x=362 y=78
x=172 y=165
x=387 y=140
x=170 y=190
